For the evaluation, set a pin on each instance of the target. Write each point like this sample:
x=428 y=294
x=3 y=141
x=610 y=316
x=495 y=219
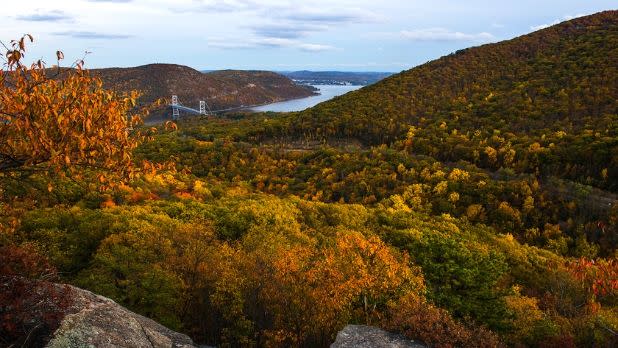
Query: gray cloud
x=273 y=42
x=283 y=11
x=283 y=23
x=286 y=30
x=269 y=42
x=45 y=16
x=330 y=15
x=92 y=35
x=293 y=23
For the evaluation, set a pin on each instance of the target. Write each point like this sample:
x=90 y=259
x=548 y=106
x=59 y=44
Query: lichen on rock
x=361 y=336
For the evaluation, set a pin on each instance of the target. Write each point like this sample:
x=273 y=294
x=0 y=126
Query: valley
x=471 y=201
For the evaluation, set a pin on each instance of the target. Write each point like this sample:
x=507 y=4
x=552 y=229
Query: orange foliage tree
x=420 y=320
x=313 y=293
x=61 y=120
x=58 y=122
x=600 y=277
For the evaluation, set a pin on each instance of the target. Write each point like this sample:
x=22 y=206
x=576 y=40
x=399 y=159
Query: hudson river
x=326 y=92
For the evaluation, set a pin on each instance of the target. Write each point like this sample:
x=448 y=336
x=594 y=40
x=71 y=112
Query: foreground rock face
x=361 y=336
x=96 y=321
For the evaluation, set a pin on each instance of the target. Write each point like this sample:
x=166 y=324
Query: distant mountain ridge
x=221 y=89
x=336 y=77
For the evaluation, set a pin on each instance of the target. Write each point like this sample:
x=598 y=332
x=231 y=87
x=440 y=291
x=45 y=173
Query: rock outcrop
x=361 y=336
x=101 y=322
x=63 y=316
x=59 y=315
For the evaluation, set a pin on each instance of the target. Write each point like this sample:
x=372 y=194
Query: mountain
x=221 y=89
x=568 y=71
x=546 y=102
x=336 y=77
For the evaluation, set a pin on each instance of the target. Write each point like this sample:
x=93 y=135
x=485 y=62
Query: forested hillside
x=469 y=202
x=541 y=103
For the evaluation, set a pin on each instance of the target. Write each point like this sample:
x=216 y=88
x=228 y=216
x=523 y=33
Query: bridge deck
x=185 y=108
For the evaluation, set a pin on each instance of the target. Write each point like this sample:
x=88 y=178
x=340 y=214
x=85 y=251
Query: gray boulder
x=361 y=336
x=96 y=321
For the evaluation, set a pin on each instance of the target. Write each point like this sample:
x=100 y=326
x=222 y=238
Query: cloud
x=92 y=35
x=441 y=34
x=273 y=42
x=289 y=22
x=282 y=24
x=330 y=15
x=115 y=1
x=286 y=30
x=557 y=21
x=278 y=23
x=282 y=10
x=45 y=16
x=269 y=42
x=214 y=6
x=226 y=45
x=315 y=47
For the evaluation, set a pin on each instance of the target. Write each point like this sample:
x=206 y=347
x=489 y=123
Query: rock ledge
x=361 y=336
x=97 y=321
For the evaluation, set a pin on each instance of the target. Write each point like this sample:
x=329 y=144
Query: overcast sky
x=352 y=35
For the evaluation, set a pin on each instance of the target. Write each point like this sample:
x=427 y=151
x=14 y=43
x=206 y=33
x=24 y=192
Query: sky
x=281 y=35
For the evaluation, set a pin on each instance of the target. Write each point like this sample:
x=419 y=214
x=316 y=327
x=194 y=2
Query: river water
x=327 y=92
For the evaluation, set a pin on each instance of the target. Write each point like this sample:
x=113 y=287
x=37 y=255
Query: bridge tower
x=175 y=111
x=202 y=107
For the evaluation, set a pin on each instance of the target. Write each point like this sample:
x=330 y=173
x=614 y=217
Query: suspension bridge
x=177 y=107
x=203 y=110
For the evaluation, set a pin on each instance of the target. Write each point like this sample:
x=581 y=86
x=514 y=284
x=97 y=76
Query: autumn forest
x=468 y=202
